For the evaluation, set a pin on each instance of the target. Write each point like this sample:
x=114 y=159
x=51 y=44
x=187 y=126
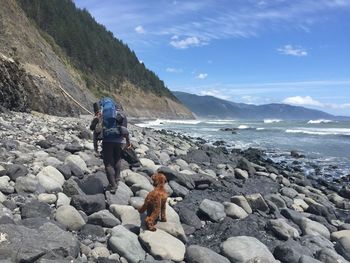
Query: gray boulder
x=198 y=254
x=282 y=229
x=214 y=210
x=103 y=218
x=89 y=203
x=241 y=249
x=181 y=178
x=178 y=189
x=343 y=247
x=28 y=245
x=68 y=216
x=15 y=171
x=162 y=245
x=35 y=209
x=257 y=202
x=235 y=211
x=189 y=217
x=126 y=244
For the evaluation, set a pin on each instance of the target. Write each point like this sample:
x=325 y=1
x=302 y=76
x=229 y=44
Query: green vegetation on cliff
x=105 y=61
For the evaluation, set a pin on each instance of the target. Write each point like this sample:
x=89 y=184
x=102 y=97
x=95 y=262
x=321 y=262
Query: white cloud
x=306 y=101
x=214 y=93
x=309 y=101
x=292 y=50
x=173 y=70
x=140 y=30
x=186 y=42
x=202 y=76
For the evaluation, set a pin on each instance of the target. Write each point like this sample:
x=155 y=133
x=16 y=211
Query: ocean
x=325 y=143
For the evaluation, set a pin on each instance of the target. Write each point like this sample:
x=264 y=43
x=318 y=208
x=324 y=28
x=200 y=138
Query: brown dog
x=155 y=202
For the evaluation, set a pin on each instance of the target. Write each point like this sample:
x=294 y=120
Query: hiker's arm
x=93 y=123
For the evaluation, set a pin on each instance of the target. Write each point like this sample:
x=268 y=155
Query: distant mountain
x=212 y=107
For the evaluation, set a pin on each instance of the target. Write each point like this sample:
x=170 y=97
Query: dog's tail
x=143 y=208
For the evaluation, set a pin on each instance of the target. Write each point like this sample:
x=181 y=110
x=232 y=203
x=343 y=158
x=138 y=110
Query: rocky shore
x=224 y=205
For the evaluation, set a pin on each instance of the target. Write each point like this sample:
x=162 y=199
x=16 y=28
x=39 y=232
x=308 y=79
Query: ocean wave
x=260 y=129
x=159 y=122
x=319 y=121
x=220 y=122
x=272 y=121
x=324 y=131
x=243 y=127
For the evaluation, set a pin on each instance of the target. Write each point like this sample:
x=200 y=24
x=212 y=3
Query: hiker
x=96 y=126
x=115 y=135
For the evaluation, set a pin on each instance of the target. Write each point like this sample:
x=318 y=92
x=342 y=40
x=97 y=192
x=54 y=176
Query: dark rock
x=10 y=204
x=320 y=210
x=189 y=230
x=297 y=155
x=178 y=189
x=244 y=164
x=103 y=218
x=343 y=247
x=290 y=252
x=91 y=185
x=35 y=209
x=36 y=223
x=65 y=171
x=76 y=170
x=196 y=254
x=202 y=179
x=345 y=192
x=16 y=170
x=219 y=143
x=28 y=245
x=315 y=243
x=107 y=260
x=10 y=145
x=92 y=232
x=89 y=203
x=307 y=259
x=291 y=214
x=73 y=148
x=189 y=217
x=271 y=169
x=276 y=199
x=85 y=134
x=183 y=179
x=197 y=156
x=102 y=177
x=254 y=155
x=71 y=187
x=6 y=220
x=44 y=144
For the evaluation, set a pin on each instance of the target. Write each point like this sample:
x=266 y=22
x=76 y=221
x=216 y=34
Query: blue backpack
x=110 y=127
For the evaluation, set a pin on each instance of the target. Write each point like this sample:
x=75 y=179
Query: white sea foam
x=319 y=121
x=243 y=127
x=260 y=129
x=224 y=122
x=159 y=122
x=272 y=120
x=321 y=131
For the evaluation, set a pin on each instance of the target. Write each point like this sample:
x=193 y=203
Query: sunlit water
x=323 y=142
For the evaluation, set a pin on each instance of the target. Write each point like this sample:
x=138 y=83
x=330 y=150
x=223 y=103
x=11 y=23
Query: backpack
x=110 y=125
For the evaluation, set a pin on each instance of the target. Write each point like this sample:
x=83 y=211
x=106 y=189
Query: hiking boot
x=112 y=189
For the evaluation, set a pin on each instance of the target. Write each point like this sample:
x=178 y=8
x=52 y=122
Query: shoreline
x=219 y=198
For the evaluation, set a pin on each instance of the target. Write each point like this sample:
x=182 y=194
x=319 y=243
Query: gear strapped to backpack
x=110 y=119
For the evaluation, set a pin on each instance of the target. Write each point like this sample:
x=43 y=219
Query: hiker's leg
x=95 y=141
x=108 y=160
x=117 y=161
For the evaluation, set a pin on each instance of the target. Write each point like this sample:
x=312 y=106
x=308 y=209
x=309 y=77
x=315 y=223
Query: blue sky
x=251 y=51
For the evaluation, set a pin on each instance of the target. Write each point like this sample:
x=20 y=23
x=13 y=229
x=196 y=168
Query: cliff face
x=20 y=40
x=46 y=68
